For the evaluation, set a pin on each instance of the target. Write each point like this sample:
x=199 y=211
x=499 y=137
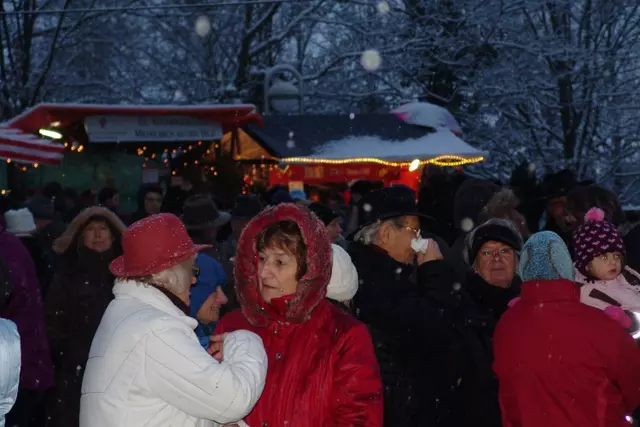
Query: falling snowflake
x=457 y=286
x=383 y=7
x=466 y=224
x=399 y=270
x=291 y=144
x=532 y=167
x=290 y=135
x=367 y=207
x=179 y=96
x=203 y=26
x=352 y=116
x=371 y=60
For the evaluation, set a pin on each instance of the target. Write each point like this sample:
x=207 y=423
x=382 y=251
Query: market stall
x=123 y=145
x=373 y=159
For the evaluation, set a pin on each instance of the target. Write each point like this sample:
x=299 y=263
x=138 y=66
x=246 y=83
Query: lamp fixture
x=50 y=133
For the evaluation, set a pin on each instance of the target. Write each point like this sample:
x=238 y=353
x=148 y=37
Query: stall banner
x=318 y=173
x=140 y=129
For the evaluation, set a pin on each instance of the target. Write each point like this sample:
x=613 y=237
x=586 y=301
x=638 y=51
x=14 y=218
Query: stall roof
x=300 y=135
x=440 y=143
x=64 y=115
x=365 y=137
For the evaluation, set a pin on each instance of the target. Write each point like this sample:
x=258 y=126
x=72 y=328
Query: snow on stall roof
x=429 y=146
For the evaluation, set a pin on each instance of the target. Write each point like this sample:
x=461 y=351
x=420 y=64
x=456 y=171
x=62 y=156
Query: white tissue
x=419 y=245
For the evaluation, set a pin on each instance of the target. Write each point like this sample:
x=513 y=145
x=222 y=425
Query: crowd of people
x=470 y=303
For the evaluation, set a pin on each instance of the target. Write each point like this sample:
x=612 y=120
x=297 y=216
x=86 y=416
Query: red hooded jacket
x=322 y=366
x=561 y=363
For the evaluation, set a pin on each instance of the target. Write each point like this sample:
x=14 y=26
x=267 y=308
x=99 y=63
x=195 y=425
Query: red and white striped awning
x=22 y=147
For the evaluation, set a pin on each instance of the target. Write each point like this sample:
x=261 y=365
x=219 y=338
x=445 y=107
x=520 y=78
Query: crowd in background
x=477 y=305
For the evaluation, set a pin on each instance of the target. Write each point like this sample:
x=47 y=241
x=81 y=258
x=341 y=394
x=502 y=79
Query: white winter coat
x=9 y=366
x=147 y=368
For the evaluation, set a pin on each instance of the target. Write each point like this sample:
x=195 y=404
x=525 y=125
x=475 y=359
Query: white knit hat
x=344 y=276
x=19 y=222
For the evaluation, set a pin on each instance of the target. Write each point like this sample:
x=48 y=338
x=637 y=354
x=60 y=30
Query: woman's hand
x=215 y=348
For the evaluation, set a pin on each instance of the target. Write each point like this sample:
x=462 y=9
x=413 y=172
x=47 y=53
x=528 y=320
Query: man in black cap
x=409 y=311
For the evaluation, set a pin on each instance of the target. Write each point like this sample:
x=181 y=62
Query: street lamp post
x=282 y=95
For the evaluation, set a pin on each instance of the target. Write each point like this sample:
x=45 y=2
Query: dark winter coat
x=25 y=310
x=565 y=234
x=46 y=262
x=6 y=286
x=416 y=342
x=43 y=261
x=78 y=296
x=481 y=306
x=322 y=368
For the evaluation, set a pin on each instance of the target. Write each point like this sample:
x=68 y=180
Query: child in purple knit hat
x=604 y=279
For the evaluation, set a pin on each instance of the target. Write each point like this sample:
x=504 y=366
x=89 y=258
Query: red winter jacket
x=322 y=367
x=561 y=363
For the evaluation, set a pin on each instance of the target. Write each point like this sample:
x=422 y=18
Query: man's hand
x=216 y=344
x=431 y=254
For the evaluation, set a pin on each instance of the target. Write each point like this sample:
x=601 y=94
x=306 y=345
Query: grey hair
x=368 y=235
x=176 y=279
x=468 y=243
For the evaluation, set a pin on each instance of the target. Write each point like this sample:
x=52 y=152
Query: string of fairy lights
x=258 y=173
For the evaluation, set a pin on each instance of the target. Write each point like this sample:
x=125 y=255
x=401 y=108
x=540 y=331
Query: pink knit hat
x=594 y=238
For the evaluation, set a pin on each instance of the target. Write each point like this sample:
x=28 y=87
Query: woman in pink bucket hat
x=146 y=366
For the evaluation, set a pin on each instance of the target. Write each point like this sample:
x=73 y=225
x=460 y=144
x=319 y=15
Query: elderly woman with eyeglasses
x=491 y=251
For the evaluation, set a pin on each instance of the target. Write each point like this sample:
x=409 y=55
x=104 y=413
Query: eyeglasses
x=495 y=253
x=415 y=231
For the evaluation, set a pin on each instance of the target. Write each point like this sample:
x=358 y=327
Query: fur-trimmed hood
x=312 y=287
x=61 y=244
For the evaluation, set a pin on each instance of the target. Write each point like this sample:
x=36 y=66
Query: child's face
x=607 y=266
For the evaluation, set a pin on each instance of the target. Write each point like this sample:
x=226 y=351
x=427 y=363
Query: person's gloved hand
x=618 y=314
x=429 y=253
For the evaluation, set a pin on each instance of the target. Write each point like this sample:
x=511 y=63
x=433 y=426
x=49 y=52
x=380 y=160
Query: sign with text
x=150 y=129
x=319 y=173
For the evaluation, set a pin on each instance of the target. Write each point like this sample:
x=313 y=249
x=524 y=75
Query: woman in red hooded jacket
x=322 y=367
